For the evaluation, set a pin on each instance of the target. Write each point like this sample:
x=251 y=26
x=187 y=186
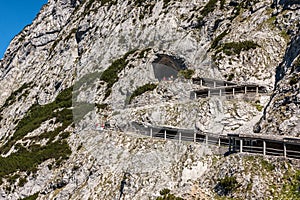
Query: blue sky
x=14 y=16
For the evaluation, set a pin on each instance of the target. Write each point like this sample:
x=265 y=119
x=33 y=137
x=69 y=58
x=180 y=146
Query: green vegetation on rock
x=294 y=79
x=32 y=197
x=187 y=73
x=209 y=7
x=110 y=75
x=142 y=89
x=291 y=186
x=166 y=195
x=227 y=184
x=27 y=159
x=38 y=114
x=16 y=95
x=218 y=39
x=235 y=48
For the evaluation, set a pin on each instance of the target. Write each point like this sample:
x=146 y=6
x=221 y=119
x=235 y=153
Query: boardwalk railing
x=250 y=143
x=265 y=144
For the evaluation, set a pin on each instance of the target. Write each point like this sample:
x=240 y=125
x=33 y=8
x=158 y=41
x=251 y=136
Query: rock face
x=84 y=63
x=282 y=116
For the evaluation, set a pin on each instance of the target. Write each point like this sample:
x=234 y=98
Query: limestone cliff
x=86 y=62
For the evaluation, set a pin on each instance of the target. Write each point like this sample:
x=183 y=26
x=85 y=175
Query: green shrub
x=31 y=197
x=218 y=39
x=102 y=106
x=164 y=191
x=294 y=80
x=142 y=53
x=222 y=4
x=297 y=63
x=166 y=195
x=228 y=184
x=22 y=182
x=290 y=189
x=142 y=89
x=232 y=48
x=229 y=77
x=259 y=107
x=187 y=73
x=209 y=7
x=13 y=179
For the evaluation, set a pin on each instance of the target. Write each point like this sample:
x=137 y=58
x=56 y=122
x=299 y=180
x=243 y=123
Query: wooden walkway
x=288 y=147
x=212 y=87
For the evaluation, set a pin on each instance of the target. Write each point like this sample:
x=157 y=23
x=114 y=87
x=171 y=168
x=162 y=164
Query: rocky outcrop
x=281 y=116
x=107 y=50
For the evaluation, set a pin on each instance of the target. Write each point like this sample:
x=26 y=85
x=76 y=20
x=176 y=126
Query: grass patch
x=267 y=165
x=259 y=107
x=142 y=89
x=286 y=36
x=291 y=186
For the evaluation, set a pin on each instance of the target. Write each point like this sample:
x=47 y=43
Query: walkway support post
x=241 y=145
x=245 y=89
x=165 y=134
x=234 y=144
x=264 y=147
x=195 y=95
x=256 y=90
x=284 y=149
x=219 y=141
x=151 y=132
x=220 y=92
x=208 y=94
x=179 y=136
x=206 y=139
x=201 y=82
x=229 y=146
x=233 y=91
x=214 y=84
x=195 y=135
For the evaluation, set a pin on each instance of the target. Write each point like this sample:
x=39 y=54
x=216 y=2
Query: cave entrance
x=166 y=67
